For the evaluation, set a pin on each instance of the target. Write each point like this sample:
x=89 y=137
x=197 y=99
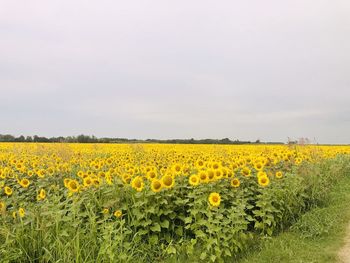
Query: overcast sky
x=176 y=69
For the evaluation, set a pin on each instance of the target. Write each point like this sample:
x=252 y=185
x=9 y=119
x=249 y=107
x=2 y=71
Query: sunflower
x=73 y=186
x=126 y=178
x=246 y=171
x=41 y=173
x=24 y=182
x=194 y=180
x=235 y=182
x=200 y=164
x=258 y=166
x=41 y=195
x=261 y=174
x=21 y=212
x=215 y=165
x=279 y=175
x=8 y=190
x=109 y=179
x=66 y=182
x=214 y=199
x=87 y=181
x=263 y=181
x=211 y=175
x=168 y=181
x=137 y=183
x=151 y=175
x=96 y=182
x=177 y=168
x=2 y=206
x=203 y=176
x=118 y=213
x=156 y=185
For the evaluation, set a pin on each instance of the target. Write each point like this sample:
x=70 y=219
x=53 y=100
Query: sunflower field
x=155 y=202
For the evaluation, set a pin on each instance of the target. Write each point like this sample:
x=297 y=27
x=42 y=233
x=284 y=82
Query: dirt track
x=344 y=253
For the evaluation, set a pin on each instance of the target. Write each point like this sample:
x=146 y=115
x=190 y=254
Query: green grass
x=316 y=237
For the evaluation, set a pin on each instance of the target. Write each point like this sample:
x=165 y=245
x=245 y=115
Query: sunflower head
x=194 y=180
x=24 y=182
x=263 y=181
x=235 y=182
x=8 y=190
x=156 y=185
x=279 y=174
x=168 y=181
x=21 y=212
x=73 y=186
x=214 y=199
x=137 y=183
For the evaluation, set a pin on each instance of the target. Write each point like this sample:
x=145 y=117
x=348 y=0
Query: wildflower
x=118 y=213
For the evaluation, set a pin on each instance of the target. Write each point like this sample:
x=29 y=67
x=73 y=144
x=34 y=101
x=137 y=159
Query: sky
x=162 y=69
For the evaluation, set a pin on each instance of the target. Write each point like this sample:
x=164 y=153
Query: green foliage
x=177 y=224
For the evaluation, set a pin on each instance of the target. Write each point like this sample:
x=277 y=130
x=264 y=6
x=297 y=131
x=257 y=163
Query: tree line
x=93 y=139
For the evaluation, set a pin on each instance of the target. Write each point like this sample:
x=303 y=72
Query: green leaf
x=155 y=227
x=179 y=231
x=171 y=250
x=153 y=239
x=164 y=224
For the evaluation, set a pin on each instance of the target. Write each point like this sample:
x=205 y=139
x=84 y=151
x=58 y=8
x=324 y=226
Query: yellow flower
x=2 y=206
x=8 y=190
x=211 y=175
x=194 y=180
x=279 y=174
x=105 y=211
x=137 y=183
x=177 y=168
x=41 y=173
x=21 y=212
x=214 y=199
x=235 y=182
x=66 y=182
x=203 y=176
x=41 y=195
x=258 y=166
x=24 y=182
x=261 y=174
x=263 y=181
x=73 y=186
x=200 y=164
x=215 y=165
x=151 y=175
x=118 y=213
x=168 y=181
x=156 y=185
x=246 y=171
x=87 y=181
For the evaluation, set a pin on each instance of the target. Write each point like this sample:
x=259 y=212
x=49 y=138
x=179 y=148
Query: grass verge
x=316 y=237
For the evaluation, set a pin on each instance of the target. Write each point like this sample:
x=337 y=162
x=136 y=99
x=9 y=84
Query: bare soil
x=344 y=253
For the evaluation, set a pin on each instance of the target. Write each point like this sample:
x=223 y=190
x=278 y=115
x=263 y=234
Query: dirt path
x=344 y=253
